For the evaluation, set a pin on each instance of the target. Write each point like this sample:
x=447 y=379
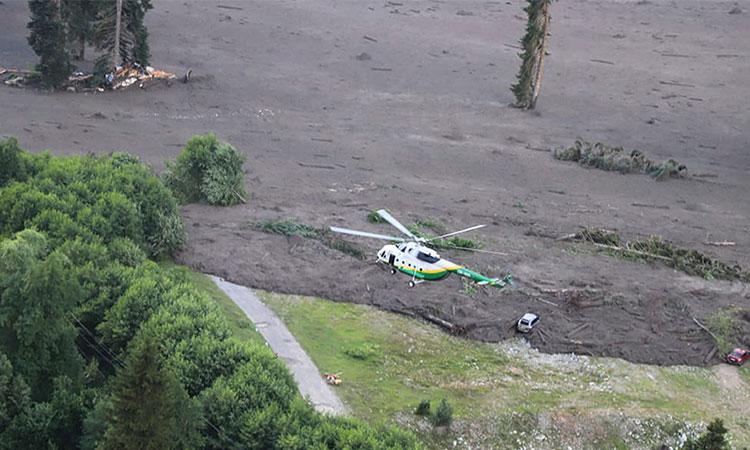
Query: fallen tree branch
x=721 y=243
x=621 y=249
x=22 y=71
x=706 y=329
x=242 y=199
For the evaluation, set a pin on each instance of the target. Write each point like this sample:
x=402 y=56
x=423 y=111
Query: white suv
x=527 y=322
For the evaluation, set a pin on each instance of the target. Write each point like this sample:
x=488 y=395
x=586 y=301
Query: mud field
x=347 y=106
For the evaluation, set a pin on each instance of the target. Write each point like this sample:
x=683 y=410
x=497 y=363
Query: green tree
x=714 y=438
x=48 y=39
x=36 y=296
x=208 y=171
x=443 y=414
x=13 y=167
x=534 y=45
x=146 y=404
x=121 y=33
x=79 y=16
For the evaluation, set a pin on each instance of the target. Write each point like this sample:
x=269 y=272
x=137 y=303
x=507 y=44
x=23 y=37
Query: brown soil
x=423 y=128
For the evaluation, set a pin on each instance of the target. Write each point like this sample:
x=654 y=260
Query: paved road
x=306 y=374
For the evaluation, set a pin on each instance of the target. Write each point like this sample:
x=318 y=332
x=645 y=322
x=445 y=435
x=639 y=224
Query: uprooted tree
x=534 y=45
x=207 y=171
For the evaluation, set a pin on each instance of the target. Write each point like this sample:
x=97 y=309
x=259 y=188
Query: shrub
x=424 y=408
x=207 y=171
x=364 y=352
x=615 y=159
x=443 y=414
x=13 y=167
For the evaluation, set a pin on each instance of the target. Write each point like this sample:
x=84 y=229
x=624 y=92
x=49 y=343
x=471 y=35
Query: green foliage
x=96 y=199
x=452 y=242
x=374 y=217
x=36 y=291
x=532 y=45
x=329 y=239
x=714 y=438
x=726 y=326
x=134 y=46
x=207 y=171
x=48 y=39
x=288 y=227
x=79 y=302
x=13 y=167
x=423 y=409
x=78 y=16
x=614 y=159
x=443 y=414
x=364 y=352
x=691 y=262
x=146 y=404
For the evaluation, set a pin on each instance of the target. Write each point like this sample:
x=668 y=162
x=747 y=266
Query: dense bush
x=96 y=199
x=423 y=409
x=207 y=171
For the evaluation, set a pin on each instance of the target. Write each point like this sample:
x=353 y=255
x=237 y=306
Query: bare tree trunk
x=542 y=53
x=81 y=48
x=118 y=20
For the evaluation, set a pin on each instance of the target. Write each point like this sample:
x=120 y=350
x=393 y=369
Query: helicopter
x=412 y=256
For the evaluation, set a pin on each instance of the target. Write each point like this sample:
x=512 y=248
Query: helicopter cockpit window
x=427 y=258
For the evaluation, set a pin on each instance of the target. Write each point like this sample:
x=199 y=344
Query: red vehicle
x=738 y=356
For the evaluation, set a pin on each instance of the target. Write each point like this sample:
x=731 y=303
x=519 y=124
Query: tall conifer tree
x=48 y=39
x=146 y=403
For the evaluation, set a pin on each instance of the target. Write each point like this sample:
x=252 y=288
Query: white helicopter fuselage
x=417 y=260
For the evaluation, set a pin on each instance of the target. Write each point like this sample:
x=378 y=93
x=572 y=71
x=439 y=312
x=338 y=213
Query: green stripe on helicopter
x=464 y=272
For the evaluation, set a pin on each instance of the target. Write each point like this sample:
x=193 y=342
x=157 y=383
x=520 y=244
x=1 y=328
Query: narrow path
x=729 y=377
x=306 y=374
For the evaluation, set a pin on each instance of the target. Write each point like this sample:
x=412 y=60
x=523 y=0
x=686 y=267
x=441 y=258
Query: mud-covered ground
x=347 y=106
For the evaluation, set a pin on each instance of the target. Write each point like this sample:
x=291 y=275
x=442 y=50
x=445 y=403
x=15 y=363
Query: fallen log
x=721 y=243
x=578 y=329
x=452 y=328
x=710 y=354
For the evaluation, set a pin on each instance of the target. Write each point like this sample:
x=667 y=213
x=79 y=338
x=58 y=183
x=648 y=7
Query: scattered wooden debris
x=603 y=61
x=237 y=8
x=371 y=39
x=710 y=354
x=721 y=243
x=648 y=205
x=315 y=166
x=578 y=329
x=675 y=83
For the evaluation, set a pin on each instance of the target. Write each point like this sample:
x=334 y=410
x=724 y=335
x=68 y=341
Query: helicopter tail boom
x=482 y=280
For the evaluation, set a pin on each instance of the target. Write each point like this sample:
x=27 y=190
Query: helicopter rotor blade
x=457 y=232
x=392 y=220
x=474 y=250
x=366 y=234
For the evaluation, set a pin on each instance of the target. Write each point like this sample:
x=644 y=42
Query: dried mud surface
x=347 y=106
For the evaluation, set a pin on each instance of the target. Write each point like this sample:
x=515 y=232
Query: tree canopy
x=102 y=348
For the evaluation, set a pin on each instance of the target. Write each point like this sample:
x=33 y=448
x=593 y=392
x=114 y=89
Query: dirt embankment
x=344 y=107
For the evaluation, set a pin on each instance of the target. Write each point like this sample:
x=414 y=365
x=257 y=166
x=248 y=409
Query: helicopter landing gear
x=393 y=271
x=412 y=283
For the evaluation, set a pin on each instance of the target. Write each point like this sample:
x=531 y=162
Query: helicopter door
x=392 y=259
